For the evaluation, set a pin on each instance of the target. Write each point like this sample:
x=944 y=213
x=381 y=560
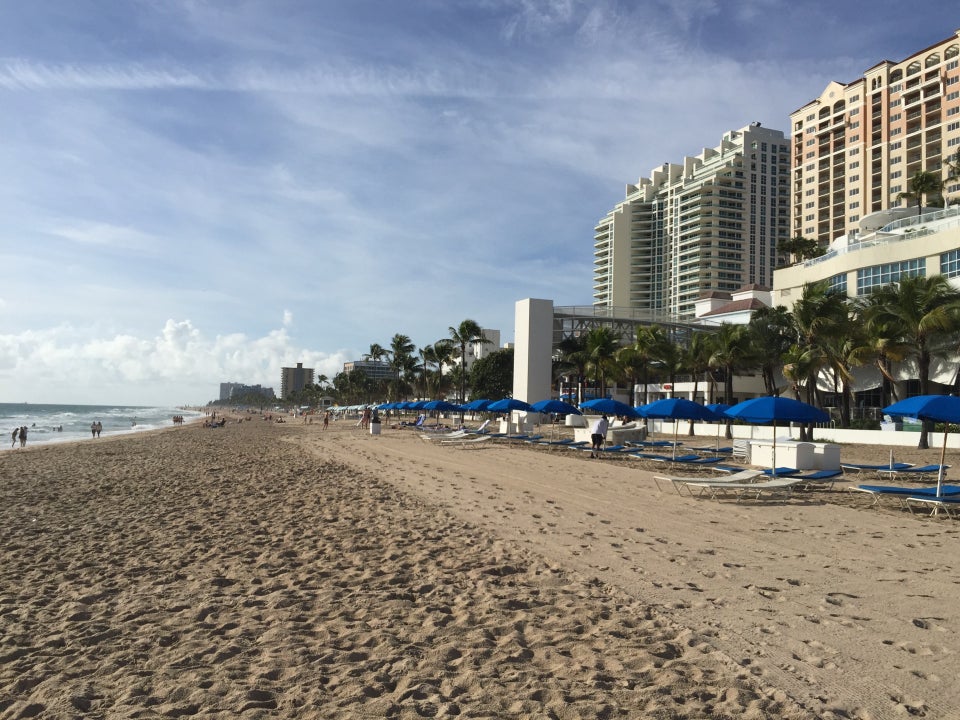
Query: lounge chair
x=700 y=482
x=774 y=487
x=902 y=493
x=949 y=505
x=781 y=472
x=911 y=473
x=818 y=478
x=864 y=469
x=466 y=440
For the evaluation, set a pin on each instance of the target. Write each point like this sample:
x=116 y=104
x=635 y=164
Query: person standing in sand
x=16 y=434
x=23 y=436
x=99 y=428
x=597 y=436
x=326 y=419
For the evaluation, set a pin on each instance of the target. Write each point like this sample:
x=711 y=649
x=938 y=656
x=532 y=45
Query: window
x=895 y=131
x=953 y=111
x=854 y=218
x=809 y=205
x=950 y=263
x=895 y=160
x=854 y=138
x=855 y=111
x=897 y=173
x=870 y=278
x=954 y=95
x=854 y=205
x=954 y=80
x=854 y=178
x=855 y=191
x=854 y=165
x=895 y=117
x=953 y=126
x=838 y=283
x=896 y=145
x=954 y=141
x=894 y=102
x=952 y=65
x=895 y=188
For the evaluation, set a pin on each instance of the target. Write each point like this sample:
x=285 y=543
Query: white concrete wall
x=533 y=328
x=707 y=432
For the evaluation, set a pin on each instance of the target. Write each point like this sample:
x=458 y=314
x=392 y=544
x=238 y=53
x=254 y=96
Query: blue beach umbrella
x=478 y=405
x=440 y=406
x=555 y=406
x=771 y=409
x=609 y=406
x=676 y=409
x=938 y=408
x=509 y=405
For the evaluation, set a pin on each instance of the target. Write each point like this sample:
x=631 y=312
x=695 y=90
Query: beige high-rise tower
x=856 y=146
x=710 y=223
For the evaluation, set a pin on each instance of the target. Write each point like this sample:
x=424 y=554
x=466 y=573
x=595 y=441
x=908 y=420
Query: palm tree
x=922 y=184
x=401 y=352
x=466 y=333
x=601 y=347
x=441 y=353
x=772 y=333
x=730 y=351
x=573 y=358
x=636 y=359
x=918 y=313
x=696 y=359
x=952 y=165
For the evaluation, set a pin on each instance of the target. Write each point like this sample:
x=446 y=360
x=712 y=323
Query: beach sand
x=277 y=570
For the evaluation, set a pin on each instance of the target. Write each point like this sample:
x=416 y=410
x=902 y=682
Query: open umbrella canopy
x=771 y=409
x=508 y=405
x=776 y=409
x=555 y=406
x=476 y=405
x=610 y=406
x=677 y=409
x=938 y=408
x=440 y=405
x=718 y=408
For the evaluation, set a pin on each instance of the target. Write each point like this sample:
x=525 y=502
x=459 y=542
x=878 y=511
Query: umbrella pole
x=943 y=455
x=675 y=422
x=774 y=472
x=891 y=459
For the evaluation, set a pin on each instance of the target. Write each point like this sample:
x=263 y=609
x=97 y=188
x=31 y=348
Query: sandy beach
x=277 y=570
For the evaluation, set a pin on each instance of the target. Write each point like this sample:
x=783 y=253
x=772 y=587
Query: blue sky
x=197 y=191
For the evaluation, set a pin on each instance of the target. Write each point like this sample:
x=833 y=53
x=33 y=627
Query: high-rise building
x=856 y=146
x=373 y=369
x=711 y=223
x=294 y=380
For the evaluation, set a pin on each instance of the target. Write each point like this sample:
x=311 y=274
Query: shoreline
x=281 y=568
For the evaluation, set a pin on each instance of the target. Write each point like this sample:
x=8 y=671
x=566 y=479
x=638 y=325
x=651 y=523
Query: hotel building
x=294 y=380
x=710 y=223
x=856 y=146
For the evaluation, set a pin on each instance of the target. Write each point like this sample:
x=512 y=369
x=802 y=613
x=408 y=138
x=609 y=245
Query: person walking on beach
x=597 y=436
x=93 y=429
x=99 y=428
x=23 y=436
x=326 y=419
x=16 y=434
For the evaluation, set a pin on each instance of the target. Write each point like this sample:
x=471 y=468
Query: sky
x=204 y=191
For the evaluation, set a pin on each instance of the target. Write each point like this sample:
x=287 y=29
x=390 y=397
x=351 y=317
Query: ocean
x=61 y=423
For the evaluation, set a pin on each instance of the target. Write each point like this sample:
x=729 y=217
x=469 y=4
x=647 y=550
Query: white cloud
x=68 y=365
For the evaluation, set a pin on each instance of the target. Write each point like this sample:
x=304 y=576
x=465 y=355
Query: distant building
x=293 y=380
x=231 y=390
x=717 y=308
x=373 y=369
x=479 y=350
x=856 y=146
x=711 y=223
